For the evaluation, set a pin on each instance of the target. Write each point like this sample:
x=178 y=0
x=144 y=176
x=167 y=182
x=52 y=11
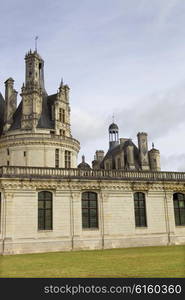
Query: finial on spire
x=113 y=118
x=83 y=158
x=152 y=145
x=36 y=38
x=61 y=83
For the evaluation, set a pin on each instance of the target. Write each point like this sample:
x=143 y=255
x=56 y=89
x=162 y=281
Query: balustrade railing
x=34 y=172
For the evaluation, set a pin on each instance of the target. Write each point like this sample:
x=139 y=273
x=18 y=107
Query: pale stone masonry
x=48 y=203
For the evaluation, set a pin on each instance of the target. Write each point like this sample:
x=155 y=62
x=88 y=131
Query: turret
x=143 y=150
x=61 y=111
x=10 y=103
x=154 y=158
x=99 y=155
x=113 y=136
x=34 y=75
x=33 y=91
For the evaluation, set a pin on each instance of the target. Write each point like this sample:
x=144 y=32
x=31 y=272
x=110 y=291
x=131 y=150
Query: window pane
x=85 y=213
x=136 y=196
x=141 y=196
x=142 y=221
x=177 y=219
x=45 y=210
x=48 y=204
x=41 y=219
x=89 y=210
x=41 y=195
x=85 y=196
x=92 y=213
x=41 y=204
x=180 y=196
x=176 y=205
x=136 y=203
x=93 y=203
x=182 y=217
x=85 y=223
x=48 y=219
x=137 y=221
x=94 y=223
x=85 y=204
x=181 y=203
x=48 y=196
x=92 y=196
x=142 y=203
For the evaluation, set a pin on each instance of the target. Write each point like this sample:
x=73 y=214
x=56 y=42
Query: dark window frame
x=57 y=158
x=140 y=209
x=67 y=159
x=179 y=209
x=45 y=197
x=0 y=210
x=62 y=115
x=90 y=210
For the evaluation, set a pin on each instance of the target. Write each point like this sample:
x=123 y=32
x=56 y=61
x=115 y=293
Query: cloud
x=173 y=162
x=157 y=114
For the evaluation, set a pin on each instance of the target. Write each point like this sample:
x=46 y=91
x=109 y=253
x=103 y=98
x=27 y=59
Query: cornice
x=72 y=185
x=27 y=140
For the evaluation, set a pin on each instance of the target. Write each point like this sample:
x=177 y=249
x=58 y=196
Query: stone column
x=7 y=224
x=169 y=216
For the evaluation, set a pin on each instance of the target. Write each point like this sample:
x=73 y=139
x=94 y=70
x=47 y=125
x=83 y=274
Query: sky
x=121 y=57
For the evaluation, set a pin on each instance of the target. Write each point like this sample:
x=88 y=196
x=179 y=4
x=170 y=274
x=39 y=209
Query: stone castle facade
x=50 y=203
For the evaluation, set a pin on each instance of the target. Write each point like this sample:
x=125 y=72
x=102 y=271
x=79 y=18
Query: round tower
x=154 y=159
x=113 y=135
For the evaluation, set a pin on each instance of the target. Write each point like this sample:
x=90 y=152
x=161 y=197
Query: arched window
x=179 y=209
x=89 y=210
x=45 y=210
x=0 y=212
x=140 y=209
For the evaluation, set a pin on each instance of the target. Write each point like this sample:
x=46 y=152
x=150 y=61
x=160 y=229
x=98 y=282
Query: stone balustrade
x=39 y=172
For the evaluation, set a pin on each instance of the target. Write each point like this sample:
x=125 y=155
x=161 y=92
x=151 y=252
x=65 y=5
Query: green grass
x=167 y=261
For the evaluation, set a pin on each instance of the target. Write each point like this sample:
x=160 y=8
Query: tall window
x=89 y=210
x=56 y=158
x=0 y=212
x=45 y=210
x=179 y=209
x=119 y=163
x=67 y=159
x=140 y=209
x=62 y=115
x=62 y=132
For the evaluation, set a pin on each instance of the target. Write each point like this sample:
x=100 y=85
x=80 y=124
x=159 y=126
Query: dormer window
x=62 y=115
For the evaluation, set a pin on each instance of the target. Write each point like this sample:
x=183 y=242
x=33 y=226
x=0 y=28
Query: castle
x=50 y=203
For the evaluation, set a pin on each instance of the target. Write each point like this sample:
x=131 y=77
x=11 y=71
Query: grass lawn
x=167 y=261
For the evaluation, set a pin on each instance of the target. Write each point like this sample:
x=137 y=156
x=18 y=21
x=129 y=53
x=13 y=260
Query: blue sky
x=125 y=57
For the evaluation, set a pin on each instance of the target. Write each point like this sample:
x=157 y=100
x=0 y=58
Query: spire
x=61 y=83
x=152 y=145
x=83 y=158
x=113 y=118
x=36 y=38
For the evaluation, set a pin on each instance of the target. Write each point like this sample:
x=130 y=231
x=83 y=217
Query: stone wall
x=19 y=215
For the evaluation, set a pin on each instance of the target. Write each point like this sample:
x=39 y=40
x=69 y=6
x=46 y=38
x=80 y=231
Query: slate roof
x=45 y=120
x=119 y=148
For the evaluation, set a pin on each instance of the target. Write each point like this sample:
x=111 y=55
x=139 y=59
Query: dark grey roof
x=45 y=120
x=17 y=118
x=113 y=126
x=84 y=166
x=2 y=103
x=122 y=147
